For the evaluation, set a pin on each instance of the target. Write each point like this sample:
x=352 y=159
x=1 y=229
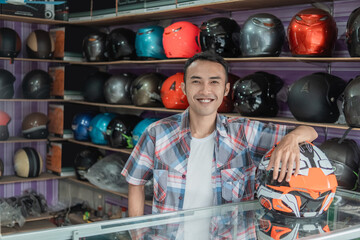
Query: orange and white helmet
x=309 y=194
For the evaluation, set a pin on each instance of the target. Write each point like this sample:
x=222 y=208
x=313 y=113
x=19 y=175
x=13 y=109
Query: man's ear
x=183 y=87
x=227 y=89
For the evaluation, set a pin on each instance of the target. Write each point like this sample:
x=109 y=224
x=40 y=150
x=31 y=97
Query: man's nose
x=205 y=88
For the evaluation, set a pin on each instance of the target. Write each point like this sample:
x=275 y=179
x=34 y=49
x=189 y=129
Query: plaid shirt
x=163 y=151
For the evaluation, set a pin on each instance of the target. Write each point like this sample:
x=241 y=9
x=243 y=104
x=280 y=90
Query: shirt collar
x=221 y=122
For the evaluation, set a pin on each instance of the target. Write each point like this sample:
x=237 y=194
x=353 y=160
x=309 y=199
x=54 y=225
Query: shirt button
x=180 y=198
x=183 y=176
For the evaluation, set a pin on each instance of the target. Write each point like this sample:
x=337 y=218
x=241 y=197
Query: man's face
x=205 y=87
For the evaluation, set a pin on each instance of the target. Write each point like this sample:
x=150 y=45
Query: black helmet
x=255 y=94
x=36 y=84
x=94 y=47
x=145 y=90
x=27 y=162
x=117 y=88
x=262 y=34
x=221 y=35
x=84 y=160
x=121 y=44
x=34 y=126
x=352 y=33
x=7 y=80
x=40 y=44
x=94 y=87
x=344 y=156
x=313 y=98
x=119 y=131
x=10 y=43
x=351 y=102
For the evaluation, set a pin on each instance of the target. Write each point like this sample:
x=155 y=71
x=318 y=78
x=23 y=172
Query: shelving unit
x=183 y=12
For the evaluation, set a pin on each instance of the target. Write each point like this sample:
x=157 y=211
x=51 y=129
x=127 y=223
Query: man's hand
x=287 y=152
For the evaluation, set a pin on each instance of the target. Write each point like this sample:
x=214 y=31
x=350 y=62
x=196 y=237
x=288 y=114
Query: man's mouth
x=205 y=100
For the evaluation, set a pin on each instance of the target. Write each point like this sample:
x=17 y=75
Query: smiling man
x=200 y=158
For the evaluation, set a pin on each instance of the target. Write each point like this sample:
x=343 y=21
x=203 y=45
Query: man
x=200 y=158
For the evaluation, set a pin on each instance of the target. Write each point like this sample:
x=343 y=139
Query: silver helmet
x=117 y=88
x=263 y=34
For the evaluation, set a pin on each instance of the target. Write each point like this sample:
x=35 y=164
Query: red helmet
x=180 y=40
x=228 y=104
x=4 y=121
x=309 y=194
x=4 y=118
x=172 y=95
x=312 y=32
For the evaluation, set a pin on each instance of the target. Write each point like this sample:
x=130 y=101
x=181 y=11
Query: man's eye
x=215 y=82
x=195 y=81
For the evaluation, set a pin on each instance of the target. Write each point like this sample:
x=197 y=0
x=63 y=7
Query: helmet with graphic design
x=145 y=89
x=117 y=88
x=255 y=94
x=119 y=131
x=344 y=155
x=262 y=34
x=309 y=194
x=228 y=103
x=121 y=44
x=351 y=102
x=312 y=32
x=80 y=125
x=7 y=80
x=36 y=84
x=271 y=226
x=353 y=33
x=140 y=128
x=35 y=126
x=4 y=122
x=172 y=95
x=313 y=98
x=221 y=35
x=10 y=43
x=148 y=42
x=94 y=47
x=98 y=127
x=180 y=40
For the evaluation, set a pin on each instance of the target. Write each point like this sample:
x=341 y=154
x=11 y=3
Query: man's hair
x=207 y=56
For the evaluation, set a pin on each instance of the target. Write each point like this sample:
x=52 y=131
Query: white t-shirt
x=198 y=189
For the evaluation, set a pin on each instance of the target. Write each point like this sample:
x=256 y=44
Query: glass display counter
x=247 y=220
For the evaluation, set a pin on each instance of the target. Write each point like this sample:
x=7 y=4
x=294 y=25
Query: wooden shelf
x=31 y=100
x=183 y=60
x=28 y=227
x=24 y=140
x=294 y=121
x=123 y=150
x=88 y=184
x=31 y=19
x=15 y=179
x=189 y=11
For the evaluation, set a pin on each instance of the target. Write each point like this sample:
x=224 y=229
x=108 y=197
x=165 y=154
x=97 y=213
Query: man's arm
x=136 y=200
x=287 y=151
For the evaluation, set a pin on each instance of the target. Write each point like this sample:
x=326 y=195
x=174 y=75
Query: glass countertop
x=246 y=220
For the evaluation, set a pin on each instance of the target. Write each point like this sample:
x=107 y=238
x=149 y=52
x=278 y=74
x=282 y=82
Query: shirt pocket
x=160 y=184
x=232 y=181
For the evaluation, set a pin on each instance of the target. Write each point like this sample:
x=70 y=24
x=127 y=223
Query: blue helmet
x=80 y=125
x=98 y=126
x=140 y=128
x=148 y=42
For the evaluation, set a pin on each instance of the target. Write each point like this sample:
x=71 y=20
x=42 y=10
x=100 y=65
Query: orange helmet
x=227 y=105
x=309 y=194
x=180 y=40
x=171 y=93
x=4 y=121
